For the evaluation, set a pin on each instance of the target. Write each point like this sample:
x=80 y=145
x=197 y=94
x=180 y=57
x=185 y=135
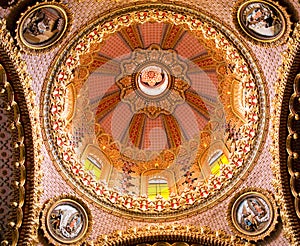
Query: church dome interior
x=149 y=123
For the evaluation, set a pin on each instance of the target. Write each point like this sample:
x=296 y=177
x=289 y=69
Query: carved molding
x=30 y=157
x=281 y=165
x=173 y=232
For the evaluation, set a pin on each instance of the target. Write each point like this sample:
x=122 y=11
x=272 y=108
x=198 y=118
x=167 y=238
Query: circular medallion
x=66 y=220
x=42 y=26
x=263 y=21
x=252 y=214
x=154 y=126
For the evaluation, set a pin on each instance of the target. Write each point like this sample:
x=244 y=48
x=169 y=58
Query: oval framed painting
x=252 y=214
x=263 y=22
x=42 y=26
x=66 y=220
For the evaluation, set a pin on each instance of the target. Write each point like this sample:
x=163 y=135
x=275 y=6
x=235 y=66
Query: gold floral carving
x=279 y=182
x=175 y=232
x=31 y=222
x=177 y=69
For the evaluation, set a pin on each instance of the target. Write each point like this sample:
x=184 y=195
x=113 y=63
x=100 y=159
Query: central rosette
x=153 y=81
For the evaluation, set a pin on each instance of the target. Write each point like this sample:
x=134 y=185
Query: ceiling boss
x=158 y=81
x=154 y=112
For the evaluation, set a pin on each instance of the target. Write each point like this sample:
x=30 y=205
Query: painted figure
x=56 y=219
x=74 y=223
x=261 y=19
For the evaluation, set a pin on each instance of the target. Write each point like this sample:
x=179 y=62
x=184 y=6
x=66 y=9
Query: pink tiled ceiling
x=120 y=121
x=115 y=47
x=52 y=181
x=190 y=122
x=205 y=83
x=152 y=136
x=189 y=46
x=99 y=84
x=151 y=33
x=106 y=123
x=213 y=78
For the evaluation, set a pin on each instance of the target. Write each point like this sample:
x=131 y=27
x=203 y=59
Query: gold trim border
x=174 y=232
x=264 y=43
x=280 y=181
x=50 y=204
x=19 y=168
x=68 y=17
x=269 y=199
x=18 y=65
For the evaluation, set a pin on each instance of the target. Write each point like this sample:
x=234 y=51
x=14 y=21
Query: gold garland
x=19 y=66
x=287 y=56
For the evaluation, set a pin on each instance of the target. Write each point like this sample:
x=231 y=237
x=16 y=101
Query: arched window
x=216 y=160
x=93 y=166
x=158 y=185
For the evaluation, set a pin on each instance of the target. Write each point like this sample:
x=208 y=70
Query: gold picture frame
x=264 y=22
x=66 y=220
x=252 y=214
x=42 y=26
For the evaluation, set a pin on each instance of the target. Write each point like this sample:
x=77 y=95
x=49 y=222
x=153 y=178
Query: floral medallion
x=154 y=126
x=156 y=75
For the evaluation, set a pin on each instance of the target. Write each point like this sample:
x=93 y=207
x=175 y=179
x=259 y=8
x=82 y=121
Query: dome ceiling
x=154 y=112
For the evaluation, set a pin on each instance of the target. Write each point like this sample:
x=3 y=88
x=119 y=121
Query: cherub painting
x=66 y=221
x=42 y=26
x=253 y=214
x=262 y=19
